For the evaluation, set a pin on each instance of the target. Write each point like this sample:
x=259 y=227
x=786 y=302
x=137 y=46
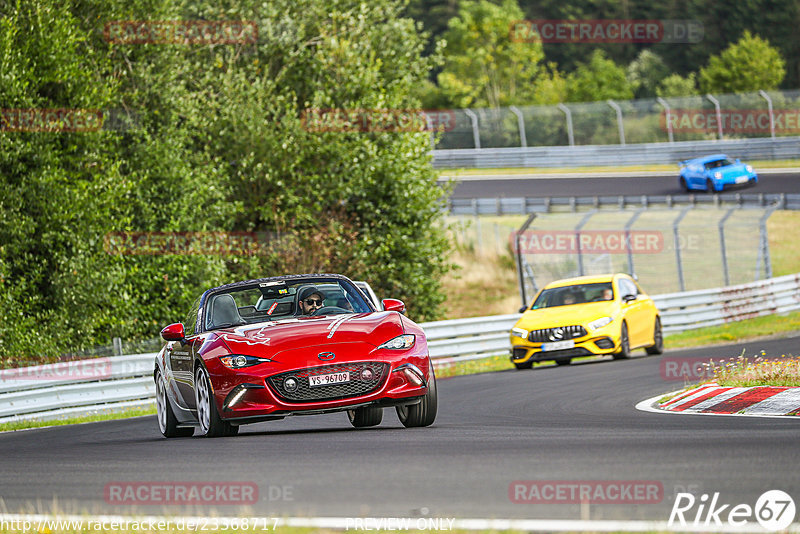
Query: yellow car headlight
x=599 y=323
x=519 y=332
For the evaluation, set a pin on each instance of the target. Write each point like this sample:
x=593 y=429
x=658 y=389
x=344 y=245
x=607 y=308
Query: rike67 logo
x=774 y=510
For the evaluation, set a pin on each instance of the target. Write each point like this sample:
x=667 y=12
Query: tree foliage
x=216 y=142
x=748 y=65
x=485 y=67
x=598 y=79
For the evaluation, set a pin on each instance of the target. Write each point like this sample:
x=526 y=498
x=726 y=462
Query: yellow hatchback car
x=585 y=316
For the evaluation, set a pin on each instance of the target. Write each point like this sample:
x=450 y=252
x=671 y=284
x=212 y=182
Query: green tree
x=645 y=73
x=748 y=65
x=485 y=66
x=598 y=79
x=677 y=85
x=218 y=143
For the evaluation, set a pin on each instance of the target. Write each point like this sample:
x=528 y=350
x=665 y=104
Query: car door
x=636 y=313
x=181 y=358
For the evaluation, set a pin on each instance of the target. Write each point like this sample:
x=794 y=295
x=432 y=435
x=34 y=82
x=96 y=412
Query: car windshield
x=718 y=163
x=574 y=294
x=278 y=299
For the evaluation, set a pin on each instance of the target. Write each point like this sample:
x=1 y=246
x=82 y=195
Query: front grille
x=552 y=334
x=355 y=387
x=555 y=354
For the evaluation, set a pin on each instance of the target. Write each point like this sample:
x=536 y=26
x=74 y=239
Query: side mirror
x=173 y=332
x=394 y=305
x=629 y=297
x=523 y=309
x=737 y=160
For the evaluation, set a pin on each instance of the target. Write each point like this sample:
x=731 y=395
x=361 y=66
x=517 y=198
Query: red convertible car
x=264 y=349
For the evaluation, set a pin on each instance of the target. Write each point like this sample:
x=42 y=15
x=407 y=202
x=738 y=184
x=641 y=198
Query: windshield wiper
x=228 y=325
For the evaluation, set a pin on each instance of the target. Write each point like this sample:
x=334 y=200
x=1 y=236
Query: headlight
x=599 y=323
x=238 y=361
x=718 y=175
x=406 y=341
x=748 y=168
x=519 y=332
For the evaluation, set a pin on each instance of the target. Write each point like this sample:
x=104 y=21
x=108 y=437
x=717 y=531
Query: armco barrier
x=614 y=155
x=126 y=381
x=528 y=205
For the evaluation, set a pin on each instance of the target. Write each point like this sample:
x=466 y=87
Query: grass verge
x=22 y=425
x=759 y=371
x=759 y=327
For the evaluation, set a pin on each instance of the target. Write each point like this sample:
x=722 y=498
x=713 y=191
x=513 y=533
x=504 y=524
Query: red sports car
x=293 y=345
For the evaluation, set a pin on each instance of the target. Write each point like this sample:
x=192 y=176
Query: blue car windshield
x=718 y=163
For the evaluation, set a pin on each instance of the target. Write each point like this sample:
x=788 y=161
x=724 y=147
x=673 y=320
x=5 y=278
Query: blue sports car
x=715 y=173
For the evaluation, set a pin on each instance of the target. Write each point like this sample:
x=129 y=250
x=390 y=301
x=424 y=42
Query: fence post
x=763 y=245
x=476 y=136
x=620 y=126
x=523 y=139
x=117 y=344
x=570 y=132
x=578 y=239
x=722 y=248
x=518 y=251
x=668 y=112
x=676 y=240
x=719 y=114
x=766 y=97
x=628 y=226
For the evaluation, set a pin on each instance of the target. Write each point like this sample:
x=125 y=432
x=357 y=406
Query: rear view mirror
x=394 y=305
x=629 y=297
x=173 y=332
x=523 y=309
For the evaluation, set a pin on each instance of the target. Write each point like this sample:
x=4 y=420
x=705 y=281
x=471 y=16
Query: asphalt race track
x=571 y=423
x=604 y=185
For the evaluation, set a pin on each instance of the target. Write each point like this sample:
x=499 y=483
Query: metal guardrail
x=100 y=385
x=614 y=155
x=527 y=205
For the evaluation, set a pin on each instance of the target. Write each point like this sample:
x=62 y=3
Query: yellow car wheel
x=624 y=344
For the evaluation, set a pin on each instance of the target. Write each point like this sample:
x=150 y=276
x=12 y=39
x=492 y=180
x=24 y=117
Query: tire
x=211 y=425
x=658 y=339
x=422 y=413
x=624 y=344
x=522 y=366
x=563 y=361
x=366 y=416
x=684 y=184
x=167 y=422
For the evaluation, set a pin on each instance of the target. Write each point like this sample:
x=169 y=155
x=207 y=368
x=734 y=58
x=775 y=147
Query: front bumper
x=598 y=343
x=264 y=397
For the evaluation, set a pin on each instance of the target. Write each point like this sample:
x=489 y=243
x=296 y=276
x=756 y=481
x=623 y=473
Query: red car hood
x=362 y=332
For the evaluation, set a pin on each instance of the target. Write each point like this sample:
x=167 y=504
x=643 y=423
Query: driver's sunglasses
x=314 y=302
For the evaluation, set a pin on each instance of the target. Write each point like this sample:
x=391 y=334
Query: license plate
x=558 y=345
x=742 y=179
x=327 y=380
